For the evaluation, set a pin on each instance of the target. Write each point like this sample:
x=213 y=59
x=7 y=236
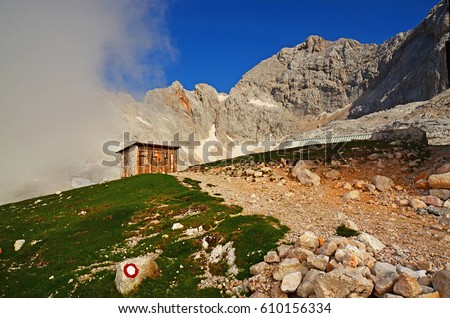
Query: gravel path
x=409 y=237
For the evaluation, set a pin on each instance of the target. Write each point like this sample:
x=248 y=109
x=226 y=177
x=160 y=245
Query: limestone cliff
x=301 y=89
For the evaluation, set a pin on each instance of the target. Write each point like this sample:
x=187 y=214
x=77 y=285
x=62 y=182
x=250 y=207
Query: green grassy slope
x=74 y=240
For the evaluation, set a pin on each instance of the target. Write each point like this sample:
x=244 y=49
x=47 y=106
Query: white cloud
x=54 y=57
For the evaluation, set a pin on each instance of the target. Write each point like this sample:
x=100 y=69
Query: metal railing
x=329 y=139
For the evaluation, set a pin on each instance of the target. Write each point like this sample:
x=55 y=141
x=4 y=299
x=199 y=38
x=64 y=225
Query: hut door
x=171 y=163
x=156 y=161
x=143 y=166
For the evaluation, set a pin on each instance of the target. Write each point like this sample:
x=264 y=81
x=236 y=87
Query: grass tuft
x=344 y=231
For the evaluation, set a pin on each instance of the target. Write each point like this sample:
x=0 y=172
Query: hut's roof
x=150 y=145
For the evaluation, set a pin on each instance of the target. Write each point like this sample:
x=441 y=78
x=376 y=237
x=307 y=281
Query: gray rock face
x=386 y=284
x=330 y=76
x=392 y=85
x=307 y=83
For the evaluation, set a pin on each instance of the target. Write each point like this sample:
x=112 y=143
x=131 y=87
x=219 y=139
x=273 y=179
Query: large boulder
x=306 y=288
x=439 y=181
x=371 y=241
x=299 y=253
x=441 y=283
x=443 y=169
x=333 y=175
x=352 y=195
x=308 y=178
x=291 y=282
x=407 y=286
x=344 y=283
x=131 y=272
x=443 y=194
x=301 y=165
x=319 y=262
x=383 y=183
x=286 y=267
x=308 y=240
x=382 y=270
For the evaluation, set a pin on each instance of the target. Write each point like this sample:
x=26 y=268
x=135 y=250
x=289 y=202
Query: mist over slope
x=54 y=117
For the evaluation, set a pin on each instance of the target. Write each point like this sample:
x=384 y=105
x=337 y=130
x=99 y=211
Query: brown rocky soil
x=409 y=237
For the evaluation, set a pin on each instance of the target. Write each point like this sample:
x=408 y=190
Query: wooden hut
x=140 y=158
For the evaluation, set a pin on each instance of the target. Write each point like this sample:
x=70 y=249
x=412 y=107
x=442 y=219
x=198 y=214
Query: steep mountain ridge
x=414 y=71
x=301 y=89
x=307 y=86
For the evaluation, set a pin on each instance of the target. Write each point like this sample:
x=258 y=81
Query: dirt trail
x=409 y=237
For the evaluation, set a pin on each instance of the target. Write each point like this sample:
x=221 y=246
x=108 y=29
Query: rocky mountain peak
x=307 y=86
x=317 y=81
x=313 y=43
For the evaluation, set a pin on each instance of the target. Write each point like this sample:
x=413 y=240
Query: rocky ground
x=412 y=230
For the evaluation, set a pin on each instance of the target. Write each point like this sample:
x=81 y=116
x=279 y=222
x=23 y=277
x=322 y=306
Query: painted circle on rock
x=131 y=270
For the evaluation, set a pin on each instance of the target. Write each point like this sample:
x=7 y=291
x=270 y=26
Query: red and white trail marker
x=131 y=270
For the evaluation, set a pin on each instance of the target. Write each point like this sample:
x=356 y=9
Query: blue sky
x=217 y=41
